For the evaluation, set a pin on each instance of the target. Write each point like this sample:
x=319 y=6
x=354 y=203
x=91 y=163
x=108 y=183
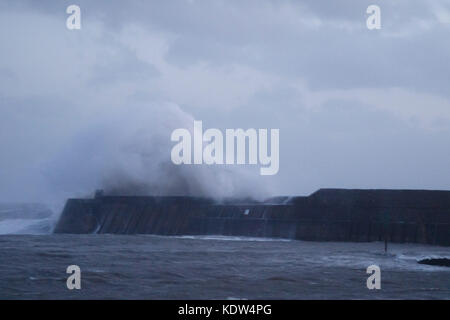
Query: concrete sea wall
x=416 y=216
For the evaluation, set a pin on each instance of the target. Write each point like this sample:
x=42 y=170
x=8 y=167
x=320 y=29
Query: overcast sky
x=356 y=108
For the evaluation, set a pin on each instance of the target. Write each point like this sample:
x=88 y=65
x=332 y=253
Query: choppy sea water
x=33 y=265
x=155 y=267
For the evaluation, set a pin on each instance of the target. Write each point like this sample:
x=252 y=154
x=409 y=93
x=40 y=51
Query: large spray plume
x=127 y=152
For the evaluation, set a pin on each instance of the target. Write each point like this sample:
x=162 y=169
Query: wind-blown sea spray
x=127 y=152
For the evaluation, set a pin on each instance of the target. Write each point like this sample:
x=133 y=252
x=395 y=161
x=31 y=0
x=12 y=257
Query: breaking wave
x=26 y=226
x=26 y=219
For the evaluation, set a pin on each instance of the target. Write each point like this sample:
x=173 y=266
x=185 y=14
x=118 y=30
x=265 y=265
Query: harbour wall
x=415 y=216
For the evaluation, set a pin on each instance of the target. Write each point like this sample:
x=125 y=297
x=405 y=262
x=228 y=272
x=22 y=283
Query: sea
x=34 y=262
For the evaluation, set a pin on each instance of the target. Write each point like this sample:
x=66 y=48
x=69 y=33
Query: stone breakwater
x=414 y=216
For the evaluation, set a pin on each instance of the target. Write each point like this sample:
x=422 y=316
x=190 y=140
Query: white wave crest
x=26 y=226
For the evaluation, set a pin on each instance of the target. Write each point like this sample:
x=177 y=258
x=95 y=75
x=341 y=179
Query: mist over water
x=26 y=219
x=127 y=152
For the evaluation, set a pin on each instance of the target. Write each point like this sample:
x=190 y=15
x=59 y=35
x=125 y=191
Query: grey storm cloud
x=355 y=107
